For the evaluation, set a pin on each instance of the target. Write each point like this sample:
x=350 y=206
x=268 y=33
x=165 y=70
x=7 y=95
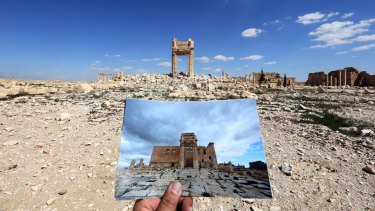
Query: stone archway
x=183 y=48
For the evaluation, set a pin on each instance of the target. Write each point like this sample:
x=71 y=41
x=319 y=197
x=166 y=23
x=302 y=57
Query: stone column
x=340 y=78
x=335 y=81
x=330 y=80
x=131 y=167
x=327 y=80
x=195 y=157
x=182 y=157
x=345 y=82
x=191 y=64
x=174 y=64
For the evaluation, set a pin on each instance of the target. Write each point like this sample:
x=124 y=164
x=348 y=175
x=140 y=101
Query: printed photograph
x=214 y=148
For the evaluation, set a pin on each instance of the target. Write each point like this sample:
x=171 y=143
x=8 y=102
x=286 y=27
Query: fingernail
x=176 y=188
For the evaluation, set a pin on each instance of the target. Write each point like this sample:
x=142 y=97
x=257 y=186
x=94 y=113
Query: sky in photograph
x=74 y=40
x=232 y=125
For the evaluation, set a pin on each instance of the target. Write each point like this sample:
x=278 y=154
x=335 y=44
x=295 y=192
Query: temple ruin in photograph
x=188 y=154
x=181 y=48
x=197 y=168
x=210 y=152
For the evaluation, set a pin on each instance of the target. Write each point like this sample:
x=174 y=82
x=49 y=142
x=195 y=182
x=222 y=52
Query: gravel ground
x=59 y=152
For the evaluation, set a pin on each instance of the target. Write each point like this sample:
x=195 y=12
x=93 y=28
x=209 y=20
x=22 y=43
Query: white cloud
x=165 y=64
x=272 y=62
x=364 y=38
x=364 y=47
x=347 y=15
x=126 y=67
x=203 y=59
x=151 y=59
x=217 y=70
x=223 y=58
x=272 y=22
x=238 y=68
x=252 y=32
x=340 y=32
x=113 y=56
x=131 y=61
x=252 y=57
x=206 y=68
x=341 y=52
x=315 y=17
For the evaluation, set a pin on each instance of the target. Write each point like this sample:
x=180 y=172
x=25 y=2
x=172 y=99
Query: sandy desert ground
x=58 y=151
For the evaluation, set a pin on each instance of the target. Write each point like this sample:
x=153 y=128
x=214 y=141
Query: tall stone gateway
x=180 y=48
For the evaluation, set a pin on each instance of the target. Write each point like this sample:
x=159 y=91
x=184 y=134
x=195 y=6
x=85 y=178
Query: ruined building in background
x=119 y=76
x=183 y=48
x=188 y=154
x=349 y=76
x=271 y=79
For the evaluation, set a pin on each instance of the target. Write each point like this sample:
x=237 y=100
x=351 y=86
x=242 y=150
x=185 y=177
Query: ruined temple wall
x=207 y=156
x=365 y=79
x=165 y=154
x=212 y=153
x=316 y=79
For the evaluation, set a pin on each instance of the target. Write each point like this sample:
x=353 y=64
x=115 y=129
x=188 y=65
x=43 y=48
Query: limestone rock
x=64 y=116
x=62 y=192
x=197 y=86
x=321 y=90
x=369 y=169
x=255 y=209
x=286 y=168
x=11 y=143
x=105 y=104
x=267 y=97
x=84 y=87
x=367 y=132
x=51 y=201
x=247 y=94
x=211 y=87
x=3 y=96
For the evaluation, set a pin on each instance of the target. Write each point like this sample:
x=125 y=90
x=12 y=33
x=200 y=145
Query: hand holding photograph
x=214 y=148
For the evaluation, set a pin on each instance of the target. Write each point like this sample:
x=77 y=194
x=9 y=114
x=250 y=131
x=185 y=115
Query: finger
x=146 y=204
x=171 y=197
x=187 y=204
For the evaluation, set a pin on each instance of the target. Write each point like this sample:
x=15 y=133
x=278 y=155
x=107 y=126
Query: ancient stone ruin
x=188 y=154
x=183 y=48
x=348 y=76
x=119 y=76
x=271 y=79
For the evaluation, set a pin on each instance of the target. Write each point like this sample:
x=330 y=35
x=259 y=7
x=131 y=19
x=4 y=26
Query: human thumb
x=171 y=197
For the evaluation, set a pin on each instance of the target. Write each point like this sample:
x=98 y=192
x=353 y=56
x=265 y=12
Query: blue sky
x=236 y=135
x=75 y=39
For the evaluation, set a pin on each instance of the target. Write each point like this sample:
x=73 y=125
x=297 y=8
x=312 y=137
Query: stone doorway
x=180 y=48
x=189 y=157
